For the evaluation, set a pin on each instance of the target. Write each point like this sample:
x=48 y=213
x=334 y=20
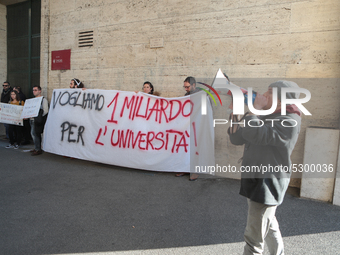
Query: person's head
x=148 y=87
x=76 y=83
x=14 y=96
x=189 y=84
x=72 y=84
x=17 y=89
x=279 y=85
x=37 y=91
x=6 y=85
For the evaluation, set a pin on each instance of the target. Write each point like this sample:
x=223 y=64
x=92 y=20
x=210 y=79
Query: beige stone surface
x=336 y=196
x=61 y=6
x=314 y=71
x=62 y=41
x=44 y=47
x=317 y=15
x=254 y=41
x=313 y=48
x=321 y=148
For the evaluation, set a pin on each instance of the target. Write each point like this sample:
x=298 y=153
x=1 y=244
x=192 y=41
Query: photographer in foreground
x=266 y=143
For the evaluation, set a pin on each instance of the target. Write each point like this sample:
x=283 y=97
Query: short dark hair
x=37 y=86
x=190 y=80
x=7 y=83
x=151 y=86
x=78 y=83
x=17 y=88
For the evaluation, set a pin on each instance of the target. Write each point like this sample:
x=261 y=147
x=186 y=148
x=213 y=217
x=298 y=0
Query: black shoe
x=36 y=153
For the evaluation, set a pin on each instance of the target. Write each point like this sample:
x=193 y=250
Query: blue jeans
x=36 y=138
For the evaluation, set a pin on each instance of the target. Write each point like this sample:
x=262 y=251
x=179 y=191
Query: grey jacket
x=268 y=144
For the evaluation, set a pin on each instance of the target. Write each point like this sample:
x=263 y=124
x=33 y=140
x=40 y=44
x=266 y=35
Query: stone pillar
x=3 y=43
x=321 y=152
x=336 y=196
x=44 y=46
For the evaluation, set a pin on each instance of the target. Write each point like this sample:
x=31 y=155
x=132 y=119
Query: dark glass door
x=23 y=45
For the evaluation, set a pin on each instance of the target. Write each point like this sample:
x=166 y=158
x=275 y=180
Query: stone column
x=44 y=46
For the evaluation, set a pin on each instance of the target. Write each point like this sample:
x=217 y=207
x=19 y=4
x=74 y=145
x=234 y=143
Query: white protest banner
x=10 y=114
x=31 y=108
x=131 y=130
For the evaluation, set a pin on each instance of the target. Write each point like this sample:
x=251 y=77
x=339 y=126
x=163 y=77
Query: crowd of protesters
x=31 y=129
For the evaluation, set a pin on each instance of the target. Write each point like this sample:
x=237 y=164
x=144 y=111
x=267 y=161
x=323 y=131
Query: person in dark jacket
x=268 y=144
x=5 y=98
x=21 y=94
x=6 y=92
x=38 y=123
x=27 y=128
x=190 y=88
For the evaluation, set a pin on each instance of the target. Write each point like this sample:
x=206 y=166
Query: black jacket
x=6 y=95
x=267 y=146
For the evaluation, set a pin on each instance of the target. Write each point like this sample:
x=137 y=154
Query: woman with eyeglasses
x=15 y=131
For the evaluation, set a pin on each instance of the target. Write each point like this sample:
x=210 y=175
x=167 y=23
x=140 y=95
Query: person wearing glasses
x=6 y=92
x=5 y=97
x=190 y=88
x=38 y=123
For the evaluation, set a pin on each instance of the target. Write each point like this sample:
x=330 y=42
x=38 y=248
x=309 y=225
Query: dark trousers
x=27 y=131
x=15 y=134
x=36 y=137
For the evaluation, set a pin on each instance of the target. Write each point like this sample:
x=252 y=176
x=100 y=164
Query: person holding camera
x=267 y=144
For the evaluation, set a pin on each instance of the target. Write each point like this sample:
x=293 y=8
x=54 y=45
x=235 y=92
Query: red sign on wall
x=61 y=60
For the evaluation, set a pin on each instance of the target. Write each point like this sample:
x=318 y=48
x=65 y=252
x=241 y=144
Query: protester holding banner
x=38 y=123
x=268 y=144
x=148 y=88
x=15 y=131
x=190 y=88
x=6 y=92
x=5 y=97
x=76 y=84
x=27 y=127
x=21 y=94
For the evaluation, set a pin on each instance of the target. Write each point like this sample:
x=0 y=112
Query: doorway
x=23 y=45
